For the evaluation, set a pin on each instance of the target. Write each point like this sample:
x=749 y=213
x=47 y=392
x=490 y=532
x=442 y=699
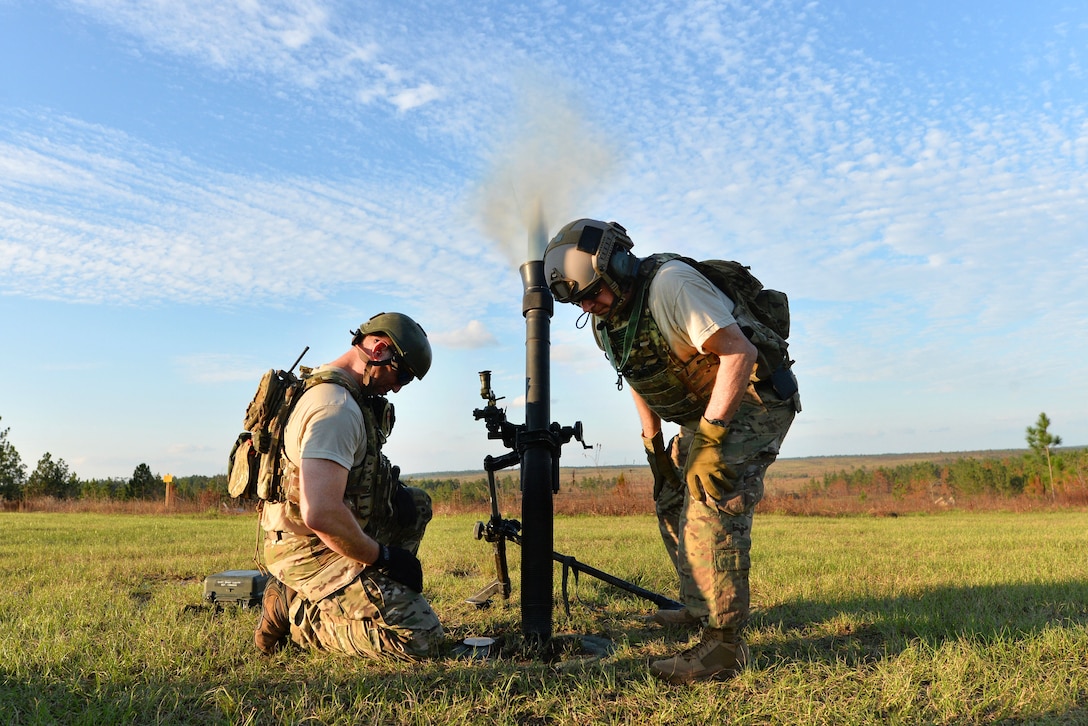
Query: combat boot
x=681 y=618
x=719 y=654
x=275 y=624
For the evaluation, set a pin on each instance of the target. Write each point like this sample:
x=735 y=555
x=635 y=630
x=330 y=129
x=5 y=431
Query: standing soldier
x=698 y=357
x=342 y=543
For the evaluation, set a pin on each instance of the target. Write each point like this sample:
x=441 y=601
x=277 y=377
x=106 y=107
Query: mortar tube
x=539 y=475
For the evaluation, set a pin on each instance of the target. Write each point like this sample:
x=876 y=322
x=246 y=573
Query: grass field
x=957 y=618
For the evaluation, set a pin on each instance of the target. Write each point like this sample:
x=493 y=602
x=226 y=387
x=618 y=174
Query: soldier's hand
x=706 y=471
x=661 y=465
x=400 y=565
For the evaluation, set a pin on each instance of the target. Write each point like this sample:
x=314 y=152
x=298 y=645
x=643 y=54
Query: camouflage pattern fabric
x=669 y=505
x=373 y=615
x=712 y=540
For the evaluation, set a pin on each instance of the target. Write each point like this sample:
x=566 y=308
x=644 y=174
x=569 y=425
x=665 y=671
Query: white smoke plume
x=543 y=175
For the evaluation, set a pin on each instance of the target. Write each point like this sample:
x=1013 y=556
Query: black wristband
x=383 y=555
x=717 y=422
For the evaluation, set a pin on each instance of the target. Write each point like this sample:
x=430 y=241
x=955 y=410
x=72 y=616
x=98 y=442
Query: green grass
x=944 y=619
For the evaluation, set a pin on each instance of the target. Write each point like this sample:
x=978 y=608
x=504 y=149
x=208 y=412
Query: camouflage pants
x=374 y=616
x=710 y=542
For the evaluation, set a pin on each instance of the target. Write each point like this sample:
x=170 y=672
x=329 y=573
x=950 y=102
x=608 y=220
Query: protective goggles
x=399 y=366
x=402 y=369
x=567 y=291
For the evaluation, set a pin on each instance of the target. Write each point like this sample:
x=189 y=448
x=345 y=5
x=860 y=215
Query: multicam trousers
x=373 y=616
x=710 y=542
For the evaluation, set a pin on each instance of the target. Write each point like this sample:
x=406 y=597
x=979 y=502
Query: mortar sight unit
x=515 y=436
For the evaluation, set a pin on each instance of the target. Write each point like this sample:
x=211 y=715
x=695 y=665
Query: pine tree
x=12 y=469
x=143 y=484
x=1041 y=440
x=52 y=479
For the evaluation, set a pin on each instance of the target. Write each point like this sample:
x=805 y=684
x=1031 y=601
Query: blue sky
x=191 y=192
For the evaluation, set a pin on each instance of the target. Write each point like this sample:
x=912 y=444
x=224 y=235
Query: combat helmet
x=586 y=252
x=408 y=336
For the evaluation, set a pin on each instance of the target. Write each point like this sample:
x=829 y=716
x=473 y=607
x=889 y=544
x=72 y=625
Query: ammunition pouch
x=784 y=384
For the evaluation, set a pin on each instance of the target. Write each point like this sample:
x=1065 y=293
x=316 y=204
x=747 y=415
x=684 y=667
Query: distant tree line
x=1043 y=472
x=459 y=492
x=52 y=477
x=464 y=492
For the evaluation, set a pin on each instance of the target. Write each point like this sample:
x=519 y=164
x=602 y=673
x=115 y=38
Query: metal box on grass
x=238 y=587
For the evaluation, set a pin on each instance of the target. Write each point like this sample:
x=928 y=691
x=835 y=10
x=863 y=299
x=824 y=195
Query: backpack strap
x=382 y=409
x=340 y=378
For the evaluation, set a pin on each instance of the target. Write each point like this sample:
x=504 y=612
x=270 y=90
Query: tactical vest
x=370 y=485
x=676 y=389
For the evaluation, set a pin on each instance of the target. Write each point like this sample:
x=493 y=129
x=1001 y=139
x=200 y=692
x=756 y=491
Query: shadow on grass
x=299 y=686
x=864 y=630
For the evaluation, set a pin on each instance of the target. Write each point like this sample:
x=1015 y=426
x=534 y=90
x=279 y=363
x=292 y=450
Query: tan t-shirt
x=687 y=307
x=326 y=424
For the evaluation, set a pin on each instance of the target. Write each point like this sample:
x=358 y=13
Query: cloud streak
x=297 y=45
x=133 y=226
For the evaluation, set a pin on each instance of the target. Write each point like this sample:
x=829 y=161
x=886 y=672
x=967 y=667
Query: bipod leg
x=568 y=561
x=495 y=531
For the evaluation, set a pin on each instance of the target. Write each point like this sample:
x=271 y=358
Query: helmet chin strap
x=368 y=374
x=619 y=304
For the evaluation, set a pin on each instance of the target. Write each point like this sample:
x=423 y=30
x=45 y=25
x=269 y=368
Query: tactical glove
x=400 y=565
x=660 y=464
x=706 y=470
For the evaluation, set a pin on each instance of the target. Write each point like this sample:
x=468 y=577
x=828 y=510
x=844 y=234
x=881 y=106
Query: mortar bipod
x=497 y=530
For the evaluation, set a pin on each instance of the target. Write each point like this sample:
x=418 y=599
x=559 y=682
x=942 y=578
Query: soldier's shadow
x=865 y=630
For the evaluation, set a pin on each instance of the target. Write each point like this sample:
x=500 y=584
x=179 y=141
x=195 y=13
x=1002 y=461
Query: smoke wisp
x=543 y=175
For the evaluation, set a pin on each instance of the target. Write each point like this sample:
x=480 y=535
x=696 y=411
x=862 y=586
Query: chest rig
x=677 y=389
x=370 y=484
